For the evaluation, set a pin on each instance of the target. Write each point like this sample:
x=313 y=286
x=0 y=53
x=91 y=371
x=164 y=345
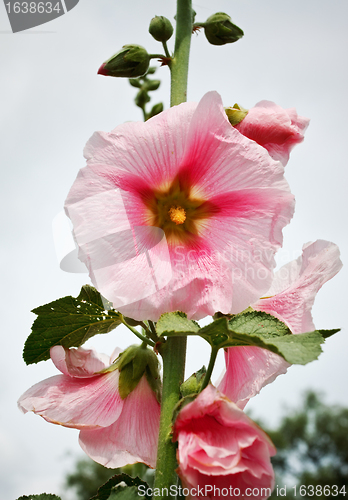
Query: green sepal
x=132 y=364
x=42 y=496
x=112 y=488
x=69 y=322
x=193 y=384
x=236 y=114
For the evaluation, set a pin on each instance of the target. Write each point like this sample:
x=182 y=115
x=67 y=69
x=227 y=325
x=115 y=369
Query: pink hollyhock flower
x=113 y=431
x=290 y=299
x=181 y=212
x=219 y=447
x=276 y=129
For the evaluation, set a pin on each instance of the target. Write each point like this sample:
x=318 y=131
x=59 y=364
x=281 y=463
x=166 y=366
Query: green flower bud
x=135 y=83
x=219 y=29
x=161 y=28
x=142 y=98
x=193 y=384
x=236 y=114
x=152 y=84
x=156 y=109
x=135 y=362
x=130 y=62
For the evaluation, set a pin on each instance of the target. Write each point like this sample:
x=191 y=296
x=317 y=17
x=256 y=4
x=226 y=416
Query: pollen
x=177 y=215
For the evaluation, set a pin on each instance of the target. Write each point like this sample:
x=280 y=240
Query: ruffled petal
x=218 y=445
x=133 y=437
x=75 y=402
x=296 y=284
x=248 y=369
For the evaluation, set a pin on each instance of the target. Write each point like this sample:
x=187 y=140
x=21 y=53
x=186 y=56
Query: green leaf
x=250 y=328
x=43 y=496
x=176 y=323
x=112 y=488
x=69 y=322
x=328 y=333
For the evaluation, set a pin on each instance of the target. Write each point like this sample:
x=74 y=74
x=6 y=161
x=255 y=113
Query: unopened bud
x=236 y=114
x=133 y=364
x=156 y=109
x=220 y=30
x=130 y=62
x=161 y=28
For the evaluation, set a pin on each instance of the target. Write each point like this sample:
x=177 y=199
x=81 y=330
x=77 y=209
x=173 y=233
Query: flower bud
x=132 y=364
x=161 y=28
x=142 y=98
x=130 y=62
x=156 y=109
x=236 y=114
x=193 y=384
x=152 y=84
x=219 y=29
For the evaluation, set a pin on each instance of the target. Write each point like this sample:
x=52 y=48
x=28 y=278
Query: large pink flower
x=221 y=451
x=114 y=431
x=289 y=299
x=276 y=129
x=182 y=212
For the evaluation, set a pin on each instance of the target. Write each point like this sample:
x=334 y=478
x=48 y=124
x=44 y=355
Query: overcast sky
x=293 y=53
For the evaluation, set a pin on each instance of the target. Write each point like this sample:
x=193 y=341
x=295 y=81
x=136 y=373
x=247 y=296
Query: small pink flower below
x=219 y=447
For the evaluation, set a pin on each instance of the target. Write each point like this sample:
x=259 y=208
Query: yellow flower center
x=177 y=215
x=177 y=211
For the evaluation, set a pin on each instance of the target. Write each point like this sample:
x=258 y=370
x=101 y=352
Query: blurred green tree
x=312 y=450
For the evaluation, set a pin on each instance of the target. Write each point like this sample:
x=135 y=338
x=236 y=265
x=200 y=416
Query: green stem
x=138 y=334
x=173 y=351
x=173 y=354
x=165 y=48
x=207 y=377
x=180 y=61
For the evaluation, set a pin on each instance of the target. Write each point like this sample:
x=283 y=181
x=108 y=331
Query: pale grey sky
x=294 y=53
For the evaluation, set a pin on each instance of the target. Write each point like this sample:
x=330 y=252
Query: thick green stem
x=173 y=351
x=173 y=354
x=180 y=61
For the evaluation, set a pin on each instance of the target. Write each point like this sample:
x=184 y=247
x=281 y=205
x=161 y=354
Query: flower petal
x=296 y=284
x=219 y=446
x=133 y=437
x=79 y=362
x=75 y=402
x=276 y=129
x=248 y=369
